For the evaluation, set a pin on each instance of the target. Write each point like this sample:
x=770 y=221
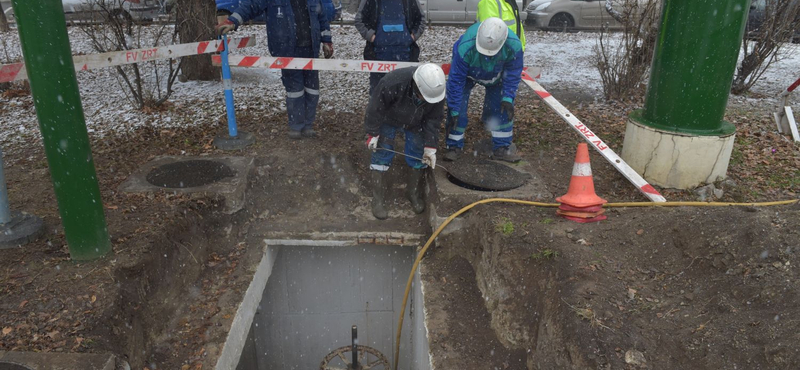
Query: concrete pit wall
x=315 y=294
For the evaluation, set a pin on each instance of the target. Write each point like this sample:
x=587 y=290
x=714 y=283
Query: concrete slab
x=232 y=189
x=59 y=361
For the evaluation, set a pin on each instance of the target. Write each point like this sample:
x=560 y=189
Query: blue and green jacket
x=504 y=67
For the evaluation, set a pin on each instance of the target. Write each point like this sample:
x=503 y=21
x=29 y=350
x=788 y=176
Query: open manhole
x=189 y=174
x=484 y=175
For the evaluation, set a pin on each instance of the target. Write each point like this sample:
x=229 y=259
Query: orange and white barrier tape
x=17 y=72
x=338 y=65
x=595 y=141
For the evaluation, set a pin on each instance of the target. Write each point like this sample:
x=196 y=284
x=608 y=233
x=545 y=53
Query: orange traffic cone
x=581 y=187
x=581 y=204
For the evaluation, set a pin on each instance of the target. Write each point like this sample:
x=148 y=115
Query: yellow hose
x=541 y=204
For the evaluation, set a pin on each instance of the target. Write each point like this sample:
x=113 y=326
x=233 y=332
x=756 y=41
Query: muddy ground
x=164 y=296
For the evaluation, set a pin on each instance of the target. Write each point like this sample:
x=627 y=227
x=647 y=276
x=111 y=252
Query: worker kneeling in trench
x=409 y=99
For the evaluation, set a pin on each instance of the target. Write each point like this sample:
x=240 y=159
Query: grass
x=545 y=254
x=784 y=180
x=547 y=221
x=505 y=226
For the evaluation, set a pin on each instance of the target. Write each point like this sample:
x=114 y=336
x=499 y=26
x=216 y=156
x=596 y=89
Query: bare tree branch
x=146 y=84
x=624 y=59
x=766 y=38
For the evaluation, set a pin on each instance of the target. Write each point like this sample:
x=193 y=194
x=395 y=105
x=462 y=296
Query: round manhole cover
x=484 y=175
x=12 y=366
x=189 y=174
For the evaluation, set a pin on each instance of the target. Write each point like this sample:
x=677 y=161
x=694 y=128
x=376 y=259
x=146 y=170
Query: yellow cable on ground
x=541 y=204
x=701 y=204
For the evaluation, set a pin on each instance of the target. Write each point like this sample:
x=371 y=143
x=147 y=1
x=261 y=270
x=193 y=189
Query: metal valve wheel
x=354 y=357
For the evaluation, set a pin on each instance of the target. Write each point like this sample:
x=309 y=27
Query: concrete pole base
x=227 y=142
x=675 y=160
x=22 y=229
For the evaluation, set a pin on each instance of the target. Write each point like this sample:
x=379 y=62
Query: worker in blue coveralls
x=295 y=28
x=487 y=54
x=391 y=29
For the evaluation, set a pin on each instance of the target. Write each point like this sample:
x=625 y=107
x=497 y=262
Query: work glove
x=508 y=107
x=327 y=50
x=429 y=157
x=225 y=26
x=372 y=142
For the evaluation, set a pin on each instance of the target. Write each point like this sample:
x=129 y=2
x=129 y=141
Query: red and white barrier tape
x=17 y=72
x=595 y=141
x=792 y=87
x=339 y=65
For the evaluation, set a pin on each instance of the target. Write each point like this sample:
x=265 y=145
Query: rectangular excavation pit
x=314 y=294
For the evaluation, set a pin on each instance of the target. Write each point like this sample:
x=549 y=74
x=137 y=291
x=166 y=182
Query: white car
x=560 y=15
x=92 y=10
x=457 y=11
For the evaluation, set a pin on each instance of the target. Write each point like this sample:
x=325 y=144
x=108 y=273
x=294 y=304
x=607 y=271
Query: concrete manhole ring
x=484 y=175
x=189 y=174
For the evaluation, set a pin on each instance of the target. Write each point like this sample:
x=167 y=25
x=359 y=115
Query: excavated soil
x=657 y=288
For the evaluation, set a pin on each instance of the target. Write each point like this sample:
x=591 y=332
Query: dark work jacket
x=367 y=22
x=392 y=103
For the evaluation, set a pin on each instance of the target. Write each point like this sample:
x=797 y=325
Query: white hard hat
x=430 y=82
x=492 y=34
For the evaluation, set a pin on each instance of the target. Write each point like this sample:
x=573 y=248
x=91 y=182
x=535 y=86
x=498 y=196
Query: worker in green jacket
x=506 y=10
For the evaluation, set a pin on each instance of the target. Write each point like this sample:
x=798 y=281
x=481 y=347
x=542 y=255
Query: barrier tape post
x=226 y=83
x=784 y=117
x=235 y=140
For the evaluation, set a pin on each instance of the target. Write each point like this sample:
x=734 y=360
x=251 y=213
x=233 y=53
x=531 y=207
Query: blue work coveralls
x=302 y=87
x=392 y=22
x=500 y=74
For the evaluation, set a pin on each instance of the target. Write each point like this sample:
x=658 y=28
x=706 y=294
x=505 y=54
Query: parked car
x=6 y=5
x=756 y=18
x=92 y=10
x=560 y=15
x=457 y=11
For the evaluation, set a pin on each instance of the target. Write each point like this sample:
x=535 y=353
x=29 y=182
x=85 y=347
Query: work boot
x=309 y=133
x=414 y=191
x=453 y=154
x=506 y=154
x=378 y=192
x=295 y=135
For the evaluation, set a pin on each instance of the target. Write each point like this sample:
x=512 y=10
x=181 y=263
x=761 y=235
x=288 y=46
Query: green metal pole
x=695 y=57
x=48 y=60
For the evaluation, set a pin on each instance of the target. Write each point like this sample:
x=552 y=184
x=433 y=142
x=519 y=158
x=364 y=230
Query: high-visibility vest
x=504 y=10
